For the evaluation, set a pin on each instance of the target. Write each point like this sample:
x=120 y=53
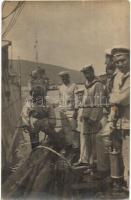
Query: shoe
x=125 y=189
x=96 y=177
x=88 y=171
x=80 y=164
x=99 y=175
x=117 y=187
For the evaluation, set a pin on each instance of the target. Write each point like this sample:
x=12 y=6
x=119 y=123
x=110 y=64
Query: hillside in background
x=51 y=70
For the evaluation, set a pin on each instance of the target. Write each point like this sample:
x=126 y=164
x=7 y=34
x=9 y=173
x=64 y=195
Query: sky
x=69 y=34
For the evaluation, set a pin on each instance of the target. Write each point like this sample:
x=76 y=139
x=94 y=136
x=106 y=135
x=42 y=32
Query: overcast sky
x=70 y=34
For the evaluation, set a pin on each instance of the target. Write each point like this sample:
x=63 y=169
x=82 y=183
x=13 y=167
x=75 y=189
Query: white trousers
x=69 y=126
x=126 y=158
x=87 y=148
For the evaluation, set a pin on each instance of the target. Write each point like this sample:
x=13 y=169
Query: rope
x=53 y=151
x=56 y=153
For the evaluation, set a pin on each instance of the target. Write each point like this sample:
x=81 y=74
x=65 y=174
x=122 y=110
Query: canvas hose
x=56 y=153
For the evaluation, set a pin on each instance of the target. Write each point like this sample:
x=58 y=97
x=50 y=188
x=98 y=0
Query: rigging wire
x=19 y=11
x=16 y=7
x=8 y=27
x=13 y=20
x=3 y=5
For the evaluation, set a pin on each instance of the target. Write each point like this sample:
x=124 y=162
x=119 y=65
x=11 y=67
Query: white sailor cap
x=63 y=73
x=33 y=73
x=108 y=52
x=87 y=68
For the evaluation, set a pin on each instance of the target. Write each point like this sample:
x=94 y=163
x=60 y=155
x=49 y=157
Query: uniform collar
x=126 y=75
x=68 y=85
x=87 y=85
x=116 y=72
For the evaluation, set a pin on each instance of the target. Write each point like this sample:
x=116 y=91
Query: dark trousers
x=34 y=139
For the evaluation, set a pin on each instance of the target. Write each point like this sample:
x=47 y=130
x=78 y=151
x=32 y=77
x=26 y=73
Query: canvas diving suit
x=38 y=115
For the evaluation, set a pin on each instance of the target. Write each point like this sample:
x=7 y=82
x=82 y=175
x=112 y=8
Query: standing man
x=103 y=138
x=91 y=115
x=67 y=108
x=122 y=100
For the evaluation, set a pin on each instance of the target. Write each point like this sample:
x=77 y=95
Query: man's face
x=65 y=79
x=122 y=62
x=89 y=75
x=109 y=73
x=80 y=96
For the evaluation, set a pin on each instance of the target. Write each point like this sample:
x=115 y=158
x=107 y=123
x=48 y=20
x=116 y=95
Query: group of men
x=91 y=116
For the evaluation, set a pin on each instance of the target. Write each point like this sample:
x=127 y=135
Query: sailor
x=122 y=100
x=110 y=71
x=67 y=107
x=90 y=117
x=77 y=116
x=78 y=106
x=103 y=142
x=38 y=115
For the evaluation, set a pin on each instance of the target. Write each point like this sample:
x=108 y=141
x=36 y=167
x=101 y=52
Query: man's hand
x=112 y=127
x=90 y=122
x=100 y=126
x=26 y=128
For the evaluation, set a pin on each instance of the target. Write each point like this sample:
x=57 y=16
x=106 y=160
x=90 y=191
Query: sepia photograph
x=65 y=96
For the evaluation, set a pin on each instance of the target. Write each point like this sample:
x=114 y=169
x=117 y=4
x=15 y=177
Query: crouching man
x=38 y=115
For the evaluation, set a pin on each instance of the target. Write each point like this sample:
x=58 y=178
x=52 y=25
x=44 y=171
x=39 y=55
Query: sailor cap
x=63 y=73
x=87 y=68
x=120 y=50
x=108 y=52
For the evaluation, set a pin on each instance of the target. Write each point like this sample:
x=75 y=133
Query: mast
x=20 y=78
x=36 y=50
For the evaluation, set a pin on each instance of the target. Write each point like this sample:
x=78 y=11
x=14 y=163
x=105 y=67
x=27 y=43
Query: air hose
x=56 y=153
